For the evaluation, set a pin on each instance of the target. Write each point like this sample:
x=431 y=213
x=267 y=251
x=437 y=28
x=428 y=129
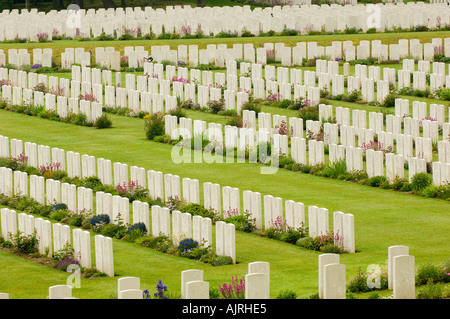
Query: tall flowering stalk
x=174 y=203
x=53 y=167
x=160 y=288
x=278 y=223
x=57 y=91
x=42 y=37
x=186 y=30
x=19 y=162
x=88 y=97
x=274 y=97
x=159 y=294
x=376 y=146
x=183 y=80
x=233 y=290
x=426 y=118
x=232 y=212
x=281 y=129
x=329 y=238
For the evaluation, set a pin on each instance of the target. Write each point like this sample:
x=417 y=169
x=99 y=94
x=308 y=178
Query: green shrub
x=235 y=120
x=287 y=294
x=103 y=122
x=252 y=106
x=152 y=241
x=376 y=181
x=7 y=244
x=80 y=119
x=353 y=97
x=308 y=113
x=197 y=209
x=76 y=220
x=421 y=180
x=243 y=222
x=336 y=168
x=398 y=183
x=434 y=273
x=92 y=182
x=389 y=100
x=430 y=291
x=222 y=261
x=25 y=244
x=154 y=126
x=113 y=230
x=215 y=106
x=178 y=112
x=58 y=214
x=444 y=94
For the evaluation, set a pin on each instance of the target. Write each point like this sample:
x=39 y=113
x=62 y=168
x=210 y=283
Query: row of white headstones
x=65 y=95
x=302 y=18
x=181 y=226
x=53 y=238
x=219 y=54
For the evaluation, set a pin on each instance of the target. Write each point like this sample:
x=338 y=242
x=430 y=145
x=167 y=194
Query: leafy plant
x=430 y=291
x=287 y=294
x=421 y=180
x=25 y=244
x=103 y=122
x=154 y=126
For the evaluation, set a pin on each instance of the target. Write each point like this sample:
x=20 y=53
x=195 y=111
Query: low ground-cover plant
x=376 y=279
x=280 y=230
x=39 y=111
x=329 y=242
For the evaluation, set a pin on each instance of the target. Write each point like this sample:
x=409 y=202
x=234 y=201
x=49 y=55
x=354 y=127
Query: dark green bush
x=235 y=120
x=103 y=122
x=243 y=222
x=421 y=180
x=287 y=294
x=178 y=112
x=389 y=100
x=252 y=106
x=25 y=244
x=197 y=209
x=431 y=291
x=308 y=113
x=113 y=230
x=222 y=260
x=215 y=106
x=376 y=181
x=58 y=214
x=154 y=126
